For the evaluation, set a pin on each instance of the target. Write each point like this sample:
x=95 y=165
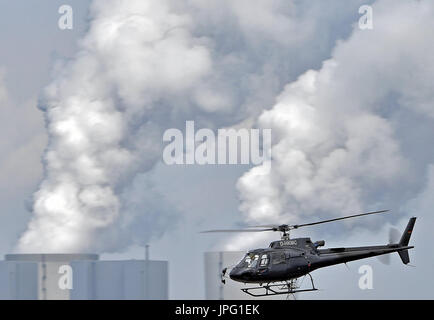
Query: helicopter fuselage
x=292 y=258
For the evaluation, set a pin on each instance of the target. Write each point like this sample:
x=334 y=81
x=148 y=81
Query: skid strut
x=273 y=289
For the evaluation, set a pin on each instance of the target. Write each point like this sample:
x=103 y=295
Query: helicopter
x=277 y=268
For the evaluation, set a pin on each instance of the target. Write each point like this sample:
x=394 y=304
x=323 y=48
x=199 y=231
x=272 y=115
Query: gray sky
x=248 y=55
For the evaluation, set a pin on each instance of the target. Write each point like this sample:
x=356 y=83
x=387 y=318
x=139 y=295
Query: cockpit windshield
x=251 y=260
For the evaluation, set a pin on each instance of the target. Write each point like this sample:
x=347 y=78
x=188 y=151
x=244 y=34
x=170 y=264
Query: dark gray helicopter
x=278 y=267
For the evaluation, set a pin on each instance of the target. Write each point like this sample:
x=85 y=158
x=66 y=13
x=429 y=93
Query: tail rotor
x=394 y=236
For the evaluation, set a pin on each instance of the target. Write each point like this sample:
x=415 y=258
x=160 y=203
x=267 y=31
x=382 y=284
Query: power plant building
x=81 y=277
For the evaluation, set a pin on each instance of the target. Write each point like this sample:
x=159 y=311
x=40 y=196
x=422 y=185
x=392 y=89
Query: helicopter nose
x=236 y=274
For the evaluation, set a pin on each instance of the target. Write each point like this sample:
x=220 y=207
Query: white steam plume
x=351 y=136
x=99 y=112
x=143 y=67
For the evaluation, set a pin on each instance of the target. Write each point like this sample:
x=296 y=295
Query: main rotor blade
x=284 y=227
x=295 y=226
x=265 y=226
x=237 y=230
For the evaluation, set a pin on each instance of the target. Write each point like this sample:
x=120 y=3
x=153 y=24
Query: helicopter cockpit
x=257 y=261
x=253 y=259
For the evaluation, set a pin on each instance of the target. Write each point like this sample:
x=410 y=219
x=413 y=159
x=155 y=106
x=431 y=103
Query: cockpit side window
x=264 y=260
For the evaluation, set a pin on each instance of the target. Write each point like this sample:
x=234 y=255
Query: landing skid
x=287 y=287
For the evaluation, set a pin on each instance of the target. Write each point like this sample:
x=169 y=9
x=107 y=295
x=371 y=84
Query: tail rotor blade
x=394 y=235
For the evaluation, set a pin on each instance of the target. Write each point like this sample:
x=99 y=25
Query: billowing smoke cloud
x=143 y=67
x=352 y=135
x=100 y=112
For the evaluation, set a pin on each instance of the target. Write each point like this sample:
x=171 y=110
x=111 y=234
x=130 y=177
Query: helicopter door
x=278 y=263
x=299 y=264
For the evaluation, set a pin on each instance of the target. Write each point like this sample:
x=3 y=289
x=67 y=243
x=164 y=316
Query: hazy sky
x=351 y=112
